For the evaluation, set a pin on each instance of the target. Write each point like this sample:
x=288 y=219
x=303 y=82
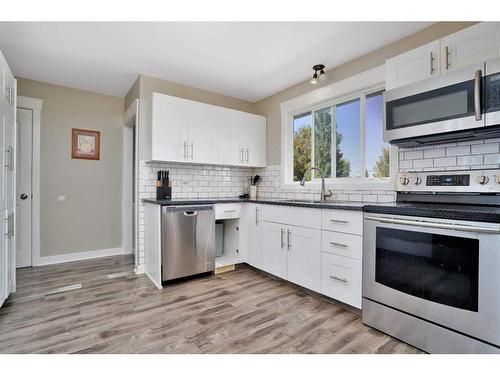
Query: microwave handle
x=477 y=94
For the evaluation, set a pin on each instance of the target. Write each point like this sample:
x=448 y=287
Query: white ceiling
x=249 y=61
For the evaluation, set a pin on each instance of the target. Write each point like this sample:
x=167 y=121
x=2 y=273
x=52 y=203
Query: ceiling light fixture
x=322 y=76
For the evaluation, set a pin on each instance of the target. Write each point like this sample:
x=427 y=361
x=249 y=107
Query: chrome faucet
x=324 y=194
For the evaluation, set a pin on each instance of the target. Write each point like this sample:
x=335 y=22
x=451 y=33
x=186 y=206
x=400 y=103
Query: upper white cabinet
x=470 y=46
x=242 y=138
x=412 y=66
x=188 y=131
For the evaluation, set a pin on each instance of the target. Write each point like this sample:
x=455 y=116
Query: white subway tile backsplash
x=487 y=148
x=410 y=155
x=492 y=159
x=445 y=162
x=470 y=160
x=434 y=153
x=423 y=163
x=458 y=151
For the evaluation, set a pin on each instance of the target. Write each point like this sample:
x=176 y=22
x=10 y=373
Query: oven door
x=446 y=103
x=443 y=271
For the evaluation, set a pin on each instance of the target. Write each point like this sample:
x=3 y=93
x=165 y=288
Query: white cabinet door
x=273 y=249
x=250 y=234
x=232 y=134
x=202 y=133
x=412 y=66
x=256 y=141
x=304 y=257
x=341 y=279
x=4 y=291
x=169 y=128
x=470 y=46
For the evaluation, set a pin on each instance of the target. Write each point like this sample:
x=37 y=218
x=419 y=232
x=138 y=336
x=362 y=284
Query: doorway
x=27 y=182
x=130 y=181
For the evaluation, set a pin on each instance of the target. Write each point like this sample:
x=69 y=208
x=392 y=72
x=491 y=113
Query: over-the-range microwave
x=456 y=106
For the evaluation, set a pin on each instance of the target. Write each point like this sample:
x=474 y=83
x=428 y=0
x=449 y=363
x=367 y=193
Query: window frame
x=303 y=104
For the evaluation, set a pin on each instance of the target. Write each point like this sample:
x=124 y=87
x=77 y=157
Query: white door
x=412 y=66
x=256 y=141
x=470 y=46
x=202 y=133
x=23 y=191
x=232 y=137
x=273 y=248
x=304 y=257
x=10 y=196
x=170 y=121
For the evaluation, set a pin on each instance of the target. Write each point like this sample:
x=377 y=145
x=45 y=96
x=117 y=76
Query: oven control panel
x=480 y=181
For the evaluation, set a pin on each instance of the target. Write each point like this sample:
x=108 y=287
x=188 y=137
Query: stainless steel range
x=431 y=262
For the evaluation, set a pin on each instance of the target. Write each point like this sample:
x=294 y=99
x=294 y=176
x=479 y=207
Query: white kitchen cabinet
x=4 y=291
x=341 y=278
x=250 y=234
x=304 y=257
x=470 y=46
x=232 y=137
x=192 y=132
x=466 y=47
x=242 y=138
x=169 y=128
x=412 y=66
x=202 y=133
x=273 y=249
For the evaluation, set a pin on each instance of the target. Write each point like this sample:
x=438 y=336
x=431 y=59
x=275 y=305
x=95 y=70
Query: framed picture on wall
x=85 y=144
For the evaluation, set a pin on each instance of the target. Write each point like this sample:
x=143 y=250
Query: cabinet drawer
x=343 y=221
x=227 y=211
x=297 y=216
x=348 y=245
x=341 y=279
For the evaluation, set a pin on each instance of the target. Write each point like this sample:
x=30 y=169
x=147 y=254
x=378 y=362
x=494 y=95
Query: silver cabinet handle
x=256 y=215
x=447 y=57
x=282 y=239
x=192 y=150
x=241 y=155
x=430 y=224
x=248 y=152
x=338 y=244
x=432 y=63
x=339 y=279
x=10 y=225
x=477 y=94
x=288 y=238
x=227 y=211
x=184 y=145
x=338 y=221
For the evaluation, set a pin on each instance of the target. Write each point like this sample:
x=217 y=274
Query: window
x=344 y=139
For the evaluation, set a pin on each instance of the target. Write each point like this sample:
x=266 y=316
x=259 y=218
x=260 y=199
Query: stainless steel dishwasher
x=188 y=241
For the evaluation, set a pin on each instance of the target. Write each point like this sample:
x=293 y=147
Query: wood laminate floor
x=108 y=309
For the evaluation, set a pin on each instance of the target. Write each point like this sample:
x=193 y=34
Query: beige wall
x=132 y=94
x=148 y=85
x=270 y=106
x=90 y=217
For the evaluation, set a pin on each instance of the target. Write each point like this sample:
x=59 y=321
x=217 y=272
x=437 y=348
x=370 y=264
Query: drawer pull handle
x=338 y=221
x=338 y=244
x=227 y=211
x=339 y=279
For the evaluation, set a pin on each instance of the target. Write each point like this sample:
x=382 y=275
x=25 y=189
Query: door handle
x=288 y=238
x=432 y=63
x=185 y=150
x=24 y=196
x=192 y=150
x=248 y=153
x=256 y=215
x=282 y=239
x=477 y=94
x=241 y=155
x=447 y=57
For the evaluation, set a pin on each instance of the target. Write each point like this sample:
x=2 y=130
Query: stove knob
x=483 y=180
x=404 y=180
x=418 y=180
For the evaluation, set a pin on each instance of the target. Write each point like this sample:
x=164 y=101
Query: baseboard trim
x=83 y=255
x=139 y=269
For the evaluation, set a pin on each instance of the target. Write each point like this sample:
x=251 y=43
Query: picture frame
x=85 y=144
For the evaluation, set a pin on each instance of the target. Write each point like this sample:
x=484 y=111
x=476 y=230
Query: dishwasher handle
x=190 y=213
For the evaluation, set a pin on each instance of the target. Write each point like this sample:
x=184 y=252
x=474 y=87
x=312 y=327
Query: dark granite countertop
x=280 y=202
x=489 y=214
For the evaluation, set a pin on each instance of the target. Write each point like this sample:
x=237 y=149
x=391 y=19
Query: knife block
x=163 y=192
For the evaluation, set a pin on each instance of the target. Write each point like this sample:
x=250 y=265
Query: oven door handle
x=427 y=224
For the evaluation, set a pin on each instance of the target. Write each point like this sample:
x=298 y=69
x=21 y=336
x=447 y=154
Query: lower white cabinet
x=341 y=278
x=292 y=253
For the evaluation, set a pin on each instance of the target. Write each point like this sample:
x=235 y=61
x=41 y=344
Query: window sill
x=354 y=185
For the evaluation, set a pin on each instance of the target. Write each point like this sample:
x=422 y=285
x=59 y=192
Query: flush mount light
x=322 y=76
